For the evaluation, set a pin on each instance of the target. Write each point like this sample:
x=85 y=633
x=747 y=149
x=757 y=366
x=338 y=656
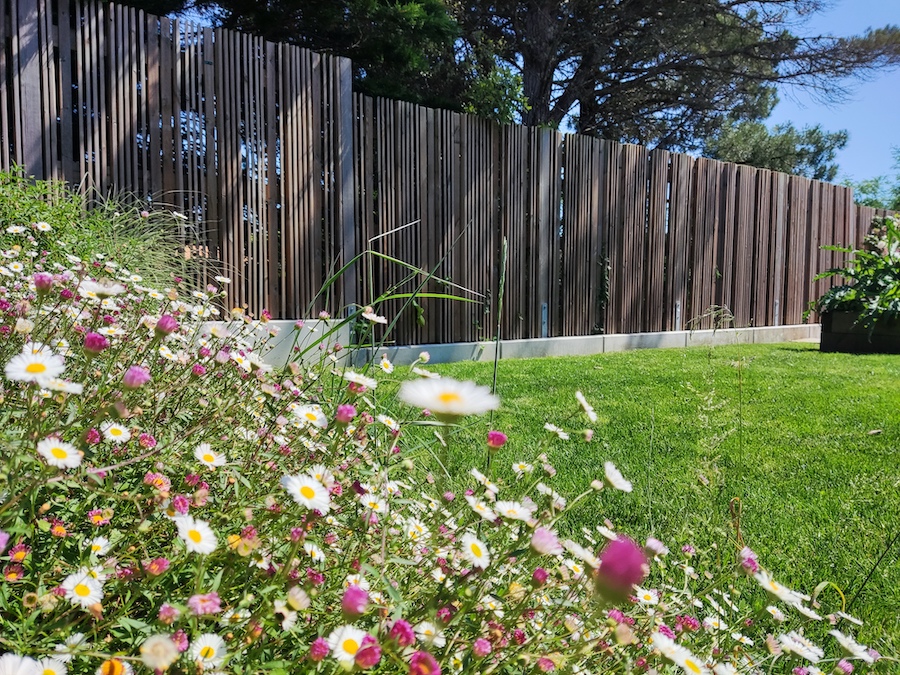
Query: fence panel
x=282 y=174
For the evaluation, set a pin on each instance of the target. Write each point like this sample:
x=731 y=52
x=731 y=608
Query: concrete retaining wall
x=593 y=344
x=313 y=331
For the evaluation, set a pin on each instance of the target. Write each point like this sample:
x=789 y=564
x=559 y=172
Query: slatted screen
x=283 y=175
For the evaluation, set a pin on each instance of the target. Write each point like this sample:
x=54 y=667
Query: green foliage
x=874 y=275
x=881 y=192
x=664 y=74
x=152 y=240
x=808 y=152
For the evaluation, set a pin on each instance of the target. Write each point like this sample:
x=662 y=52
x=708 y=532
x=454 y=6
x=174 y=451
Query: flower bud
x=135 y=377
x=94 y=343
x=622 y=565
x=166 y=325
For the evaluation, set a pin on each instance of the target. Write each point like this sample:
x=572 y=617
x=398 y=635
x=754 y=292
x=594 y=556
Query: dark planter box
x=840 y=333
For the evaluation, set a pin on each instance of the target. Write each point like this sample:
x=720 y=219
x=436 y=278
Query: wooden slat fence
x=283 y=174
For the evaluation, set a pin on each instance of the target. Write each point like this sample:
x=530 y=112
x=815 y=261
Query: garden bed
x=841 y=332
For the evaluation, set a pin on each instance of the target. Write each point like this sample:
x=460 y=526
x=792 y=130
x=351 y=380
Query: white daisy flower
x=481 y=508
x=115 y=432
x=852 y=647
x=614 y=479
x=15 y=229
x=313 y=415
x=389 y=422
x=208 y=651
x=373 y=503
x=209 y=457
x=344 y=643
x=848 y=617
x=58 y=453
x=307 y=492
x=776 y=613
x=314 y=552
x=51 y=666
x=197 y=535
x=796 y=643
x=385 y=364
x=98 y=545
x=234 y=617
x=158 y=652
x=743 y=639
x=713 y=623
x=322 y=474
x=82 y=589
x=552 y=428
x=362 y=380
x=370 y=315
x=72 y=645
x=57 y=384
x=521 y=468
x=111 y=331
x=646 y=596
x=689 y=663
x=724 y=669
x=100 y=289
x=490 y=603
x=475 y=551
x=61 y=345
x=34 y=365
x=513 y=511
x=589 y=411
x=42 y=226
x=421 y=372
x=448 y=398
x=13 y=664
x=415 y=529
x=429 y=634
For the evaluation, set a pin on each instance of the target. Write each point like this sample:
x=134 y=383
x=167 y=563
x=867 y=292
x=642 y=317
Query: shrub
x=168 y=501
x=874 y=275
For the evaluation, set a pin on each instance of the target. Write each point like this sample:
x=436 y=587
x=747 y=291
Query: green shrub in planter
x=872 y=291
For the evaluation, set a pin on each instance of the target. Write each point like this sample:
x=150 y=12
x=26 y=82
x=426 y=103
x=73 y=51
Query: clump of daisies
x=171 y=502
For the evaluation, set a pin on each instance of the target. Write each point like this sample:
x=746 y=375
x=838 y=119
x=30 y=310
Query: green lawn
x=788 y=430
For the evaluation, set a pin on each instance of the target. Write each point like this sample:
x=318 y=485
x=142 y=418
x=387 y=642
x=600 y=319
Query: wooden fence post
x=346 y=217
x=30 y=112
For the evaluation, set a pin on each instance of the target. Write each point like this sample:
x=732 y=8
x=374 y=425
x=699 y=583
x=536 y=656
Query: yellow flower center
x=208 y=457
x=82 y=590
x=307 y=492
x=207 y=652
x=693 y=667
x=311 y=416
x=195 y=536
x=476 y=550
x=48 y=671
x=58 y=452
x=115 y=431
x=35 y=368
x=350 y=646
x=112 y=667
x=449 y=397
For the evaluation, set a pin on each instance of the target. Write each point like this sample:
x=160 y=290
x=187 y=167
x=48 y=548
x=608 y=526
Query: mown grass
x=807 y=442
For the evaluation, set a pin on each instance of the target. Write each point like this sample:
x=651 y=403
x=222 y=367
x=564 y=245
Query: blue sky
x=872 y=115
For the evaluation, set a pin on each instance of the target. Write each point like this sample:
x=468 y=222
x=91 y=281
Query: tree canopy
x=664 y=74
x=808 y=152
x=882 y=192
